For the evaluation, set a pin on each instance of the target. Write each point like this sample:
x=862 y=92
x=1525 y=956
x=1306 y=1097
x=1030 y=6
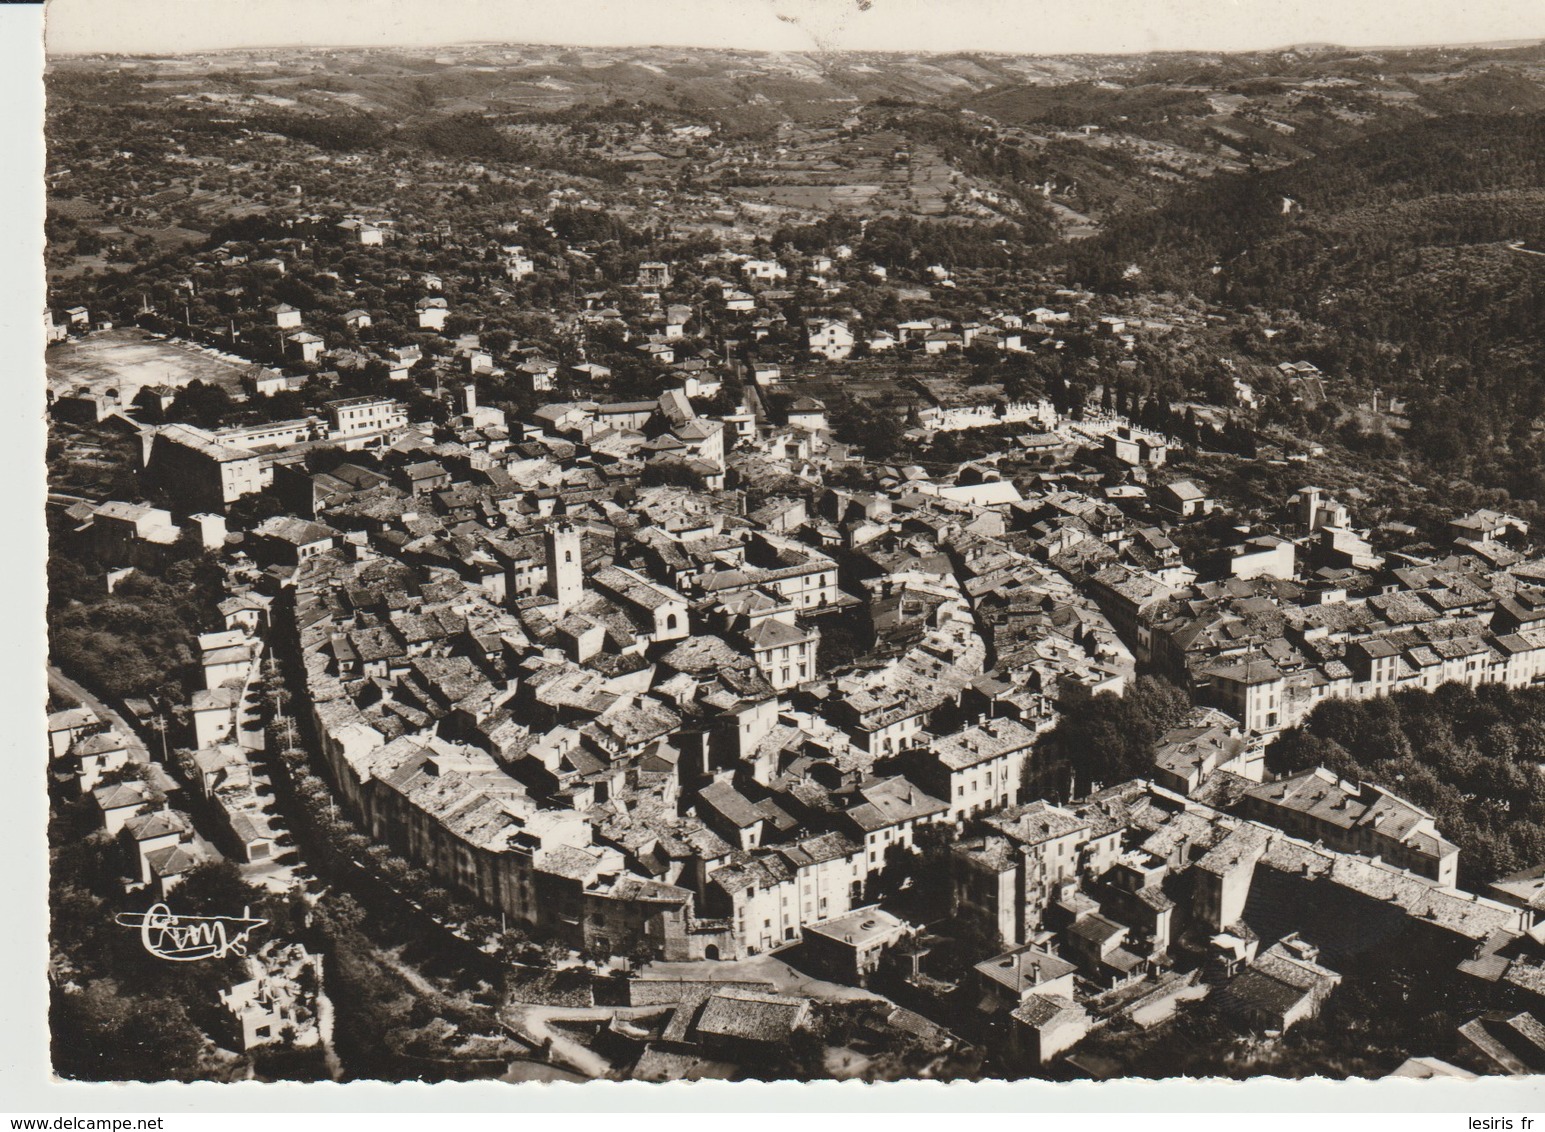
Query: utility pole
x=160 y=726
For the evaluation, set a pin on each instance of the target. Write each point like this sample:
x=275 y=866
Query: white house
x=764 y=270
x=517 y=264
x=1265 y=556
x=366 y=234
x=432 y=314
x=831 y=340
x=305 y=345
x=808 y=413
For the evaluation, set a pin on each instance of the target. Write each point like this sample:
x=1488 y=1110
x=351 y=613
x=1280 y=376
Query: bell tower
x=565 y=565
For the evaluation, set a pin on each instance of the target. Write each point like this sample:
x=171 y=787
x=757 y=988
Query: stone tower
x=565 y=566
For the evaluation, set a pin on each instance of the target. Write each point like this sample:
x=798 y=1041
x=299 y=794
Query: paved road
x=249 y=720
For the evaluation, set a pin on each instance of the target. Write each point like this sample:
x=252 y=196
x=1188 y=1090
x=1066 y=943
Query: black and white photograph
x=792 y=541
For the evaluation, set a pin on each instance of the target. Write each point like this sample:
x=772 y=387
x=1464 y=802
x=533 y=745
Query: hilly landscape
x=1408 y=261
x=1096 y=136
x=1376 y=213
x=662 y=563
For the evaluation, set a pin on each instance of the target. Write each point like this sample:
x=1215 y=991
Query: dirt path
x=393 y=959
x=326 y=1017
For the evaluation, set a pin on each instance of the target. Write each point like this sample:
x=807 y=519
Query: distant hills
x=1365 y=202
x=1161 y=120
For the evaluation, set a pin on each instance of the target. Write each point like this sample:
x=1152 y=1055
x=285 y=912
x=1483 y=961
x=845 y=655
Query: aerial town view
x=658 y=564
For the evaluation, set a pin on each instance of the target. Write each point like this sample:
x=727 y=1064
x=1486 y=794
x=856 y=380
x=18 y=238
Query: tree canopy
x=1472 y=757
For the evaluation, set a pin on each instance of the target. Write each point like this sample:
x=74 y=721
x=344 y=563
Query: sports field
x=129 y=359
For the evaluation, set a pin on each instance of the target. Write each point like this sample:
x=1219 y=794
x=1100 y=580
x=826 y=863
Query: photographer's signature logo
x=184 y=939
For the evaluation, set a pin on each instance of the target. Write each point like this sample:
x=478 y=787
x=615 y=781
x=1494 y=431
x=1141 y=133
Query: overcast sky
x=1027 y=26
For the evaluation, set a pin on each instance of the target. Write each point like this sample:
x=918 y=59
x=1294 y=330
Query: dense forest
x=1267 y=249
x=139 y=639
x=1391 y=264
x=902 y=241
x=1085 y=103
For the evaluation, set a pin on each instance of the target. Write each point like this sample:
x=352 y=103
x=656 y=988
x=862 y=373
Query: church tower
x=565 y=566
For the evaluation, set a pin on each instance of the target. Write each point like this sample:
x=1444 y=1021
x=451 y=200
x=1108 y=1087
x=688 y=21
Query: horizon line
x=1313 y=45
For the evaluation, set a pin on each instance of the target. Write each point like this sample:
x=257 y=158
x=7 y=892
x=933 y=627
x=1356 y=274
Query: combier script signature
x=184 y=939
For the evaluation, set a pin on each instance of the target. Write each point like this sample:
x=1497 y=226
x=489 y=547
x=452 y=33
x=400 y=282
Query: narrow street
x=281 y=872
